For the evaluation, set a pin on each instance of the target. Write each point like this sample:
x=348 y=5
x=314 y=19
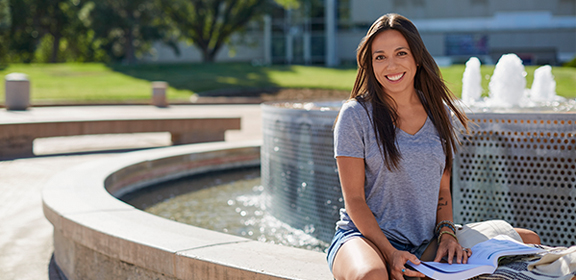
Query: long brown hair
x=428 y=82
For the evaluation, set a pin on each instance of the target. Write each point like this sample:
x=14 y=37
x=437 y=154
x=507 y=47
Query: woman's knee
x=367 y=273
x=359 y=258
x=528 y=236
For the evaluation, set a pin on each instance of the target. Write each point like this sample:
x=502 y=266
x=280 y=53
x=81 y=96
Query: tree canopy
x=210 y=23
x=5 y=23
x=120 y=30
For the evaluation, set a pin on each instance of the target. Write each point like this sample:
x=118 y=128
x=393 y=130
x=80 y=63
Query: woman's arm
x=448 y=245
x=352 y=175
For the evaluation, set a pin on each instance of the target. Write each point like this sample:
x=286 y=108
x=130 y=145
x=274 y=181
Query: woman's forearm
x=444 y=208
x=352 y=176
x=366 y=223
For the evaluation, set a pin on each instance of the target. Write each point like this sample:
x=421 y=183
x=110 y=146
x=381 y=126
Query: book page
x=489 y=251
x=446 y=271
x=484 y=259
x=446 y=267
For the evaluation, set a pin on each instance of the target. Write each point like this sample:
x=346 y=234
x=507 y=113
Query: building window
x=466 y=44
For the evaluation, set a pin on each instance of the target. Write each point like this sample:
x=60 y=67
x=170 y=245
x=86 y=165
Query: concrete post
x=159 y=94
x=307 y=42
x=307 y=37
x=330 y=31
x=17 y=91
x=267 y=39
x=289 y=38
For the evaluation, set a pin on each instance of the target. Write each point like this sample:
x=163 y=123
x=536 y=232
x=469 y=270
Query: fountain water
x=507 y=88
x=472 y=82
x=507 y=85
x=544 y=86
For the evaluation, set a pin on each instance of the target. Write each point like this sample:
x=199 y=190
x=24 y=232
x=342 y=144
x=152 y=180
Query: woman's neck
x=406 y=100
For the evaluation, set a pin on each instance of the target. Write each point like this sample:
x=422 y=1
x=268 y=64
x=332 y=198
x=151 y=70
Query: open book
x=484 y=259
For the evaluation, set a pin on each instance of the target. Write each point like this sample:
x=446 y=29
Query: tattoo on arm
x=440 y=203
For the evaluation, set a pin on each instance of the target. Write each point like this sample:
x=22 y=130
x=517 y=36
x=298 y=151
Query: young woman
x=394 y=142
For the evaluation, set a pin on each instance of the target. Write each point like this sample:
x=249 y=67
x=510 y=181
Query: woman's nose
x=391 y=63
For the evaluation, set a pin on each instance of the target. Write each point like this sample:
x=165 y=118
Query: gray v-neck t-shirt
x=403 y=201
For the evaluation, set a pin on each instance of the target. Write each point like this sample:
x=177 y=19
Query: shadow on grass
x=215 y=79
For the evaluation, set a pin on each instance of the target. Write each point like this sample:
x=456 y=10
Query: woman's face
x=393 y=63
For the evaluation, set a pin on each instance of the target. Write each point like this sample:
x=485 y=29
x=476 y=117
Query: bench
x=16 y=138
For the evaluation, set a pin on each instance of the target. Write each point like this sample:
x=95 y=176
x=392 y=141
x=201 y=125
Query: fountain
x=507 y=85
x=544 y=86
x=507 y=88
x=472 y=82
x=98 y=236
x=517 y=163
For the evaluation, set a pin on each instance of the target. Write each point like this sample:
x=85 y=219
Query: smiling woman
x=393 y=143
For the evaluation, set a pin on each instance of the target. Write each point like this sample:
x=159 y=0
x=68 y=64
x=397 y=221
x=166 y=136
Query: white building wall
x=366 y=11
x=347 y=44
x=542 y=27
x=252 y=51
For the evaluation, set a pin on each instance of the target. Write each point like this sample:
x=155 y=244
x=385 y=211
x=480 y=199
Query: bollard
x=17 y=91
x=159 y=94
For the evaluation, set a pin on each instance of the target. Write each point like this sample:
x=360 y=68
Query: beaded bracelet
x=442 y=224
x=447 y=232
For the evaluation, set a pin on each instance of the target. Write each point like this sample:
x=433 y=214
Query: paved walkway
x=26 y=244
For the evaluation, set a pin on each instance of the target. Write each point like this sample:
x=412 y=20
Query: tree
x=127 y=28
x=209 y=24
x=23 y=37
x=56 y=17
x=5 y=23
x=46 y=31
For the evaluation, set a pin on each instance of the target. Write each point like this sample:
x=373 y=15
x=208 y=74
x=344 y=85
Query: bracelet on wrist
x=446 y=232
x=442 y=224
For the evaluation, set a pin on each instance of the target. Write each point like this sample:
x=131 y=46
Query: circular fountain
x=97 y=236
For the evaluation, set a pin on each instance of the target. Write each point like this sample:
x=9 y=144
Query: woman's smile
x=395 y=77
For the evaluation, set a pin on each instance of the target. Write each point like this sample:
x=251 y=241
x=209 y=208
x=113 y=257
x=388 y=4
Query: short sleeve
x=348 y=131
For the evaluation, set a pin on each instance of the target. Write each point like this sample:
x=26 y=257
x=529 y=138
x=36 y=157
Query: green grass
x=94 y=82
x=565 y=78
x=82 y=82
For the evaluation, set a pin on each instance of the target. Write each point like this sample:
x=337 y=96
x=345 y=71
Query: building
x=327 y=32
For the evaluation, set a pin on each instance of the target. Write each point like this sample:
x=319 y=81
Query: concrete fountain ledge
x=97 y=236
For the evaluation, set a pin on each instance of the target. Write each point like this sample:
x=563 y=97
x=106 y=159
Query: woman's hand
x=450 y=248
x=397 y=268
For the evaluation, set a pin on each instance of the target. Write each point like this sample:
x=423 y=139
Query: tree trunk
x=55 y=48
x=129 y=47
x=209 y=54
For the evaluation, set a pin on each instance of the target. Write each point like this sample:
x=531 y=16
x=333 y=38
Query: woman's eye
x=402 y=53
x=379 y=57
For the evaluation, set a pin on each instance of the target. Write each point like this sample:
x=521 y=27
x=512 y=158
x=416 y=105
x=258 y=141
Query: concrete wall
x=97 y=236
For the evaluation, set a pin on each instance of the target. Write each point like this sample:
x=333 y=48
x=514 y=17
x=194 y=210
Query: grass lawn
x=116 y=83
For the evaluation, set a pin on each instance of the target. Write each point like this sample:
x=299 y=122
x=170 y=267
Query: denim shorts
x=341 y=236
